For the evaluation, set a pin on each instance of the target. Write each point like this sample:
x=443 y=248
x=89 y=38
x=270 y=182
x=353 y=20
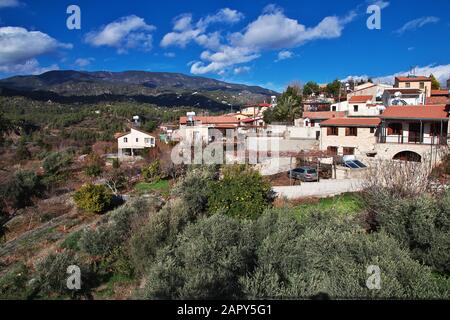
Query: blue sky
x=257 y=42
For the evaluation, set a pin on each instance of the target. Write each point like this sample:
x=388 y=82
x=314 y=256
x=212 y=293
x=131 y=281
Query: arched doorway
x=408 y=156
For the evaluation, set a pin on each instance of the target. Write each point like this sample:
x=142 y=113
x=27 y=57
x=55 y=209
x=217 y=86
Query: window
x=407 y=85
x=349 y=151
x=355 y=108
x=372 y=130
x=394 y=129
x=332 y=131
x=352 y=131
x=333 y=108
x=148 y=141
x=435 y=129
x=422 y=85
x=137 y=139
x=125 y=140
x=332 y=151
x=312 y=123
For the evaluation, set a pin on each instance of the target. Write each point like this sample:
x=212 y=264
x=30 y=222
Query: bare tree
x=399 y=178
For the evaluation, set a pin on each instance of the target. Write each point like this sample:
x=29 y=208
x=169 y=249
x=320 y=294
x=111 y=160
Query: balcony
x=414 y=139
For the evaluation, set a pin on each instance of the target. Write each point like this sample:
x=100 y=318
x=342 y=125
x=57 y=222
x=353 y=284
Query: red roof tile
x=212 y=120
x=403 y=90
x=351 y=122
x=438 y=100
x=412 y=78
x=439 y=92
x=321 y=115
x=360 y=99
x=415 y=112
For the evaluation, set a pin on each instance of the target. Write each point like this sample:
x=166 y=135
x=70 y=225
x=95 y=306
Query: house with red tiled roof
x=413 y=132
x=414 y=82
x=400 y=132
x=349 y=136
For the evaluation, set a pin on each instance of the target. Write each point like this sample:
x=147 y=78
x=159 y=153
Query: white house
x=129 y=143
x=403 y=97
x=363 y=106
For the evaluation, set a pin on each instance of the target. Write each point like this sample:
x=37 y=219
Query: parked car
x=304 y=174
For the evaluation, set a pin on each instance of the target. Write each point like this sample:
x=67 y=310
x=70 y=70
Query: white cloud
x=416 y=24
x=224 y=15
x=130 y=32
x=273 y=30
x=441 y=72
x=170 y=54
x=216 y=62
x=285 y=54
x=31 y=66
x=241 y=70
x=9 y=3
x=270 y=31
x=382 y=4
x=84 y=62
x=185 y=31
x=19 y=49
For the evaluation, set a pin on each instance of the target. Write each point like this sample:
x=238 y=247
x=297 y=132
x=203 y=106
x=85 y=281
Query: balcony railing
x=414 y=139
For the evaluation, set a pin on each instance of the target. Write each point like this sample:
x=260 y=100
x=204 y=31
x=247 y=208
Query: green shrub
x=93 y=198
x=205 y=262
x=72 y=241
x=14 y=284
x=93 y=170
x=152 y=172
x=22 y=152
x=330 y=255
x=56 y=162
x=116 y=230
x=94 y=165
x=195 y=187
x=242 y=193
x=421 y=224
x=21 y=189
x=51 y=275
x=161 y=229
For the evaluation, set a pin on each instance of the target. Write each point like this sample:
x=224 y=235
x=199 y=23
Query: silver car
x=304 y=174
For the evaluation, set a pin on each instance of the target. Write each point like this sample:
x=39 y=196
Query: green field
x=145 y=187
x=344 y=204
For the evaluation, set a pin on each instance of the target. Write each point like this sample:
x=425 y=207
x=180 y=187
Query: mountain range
x=160 y=88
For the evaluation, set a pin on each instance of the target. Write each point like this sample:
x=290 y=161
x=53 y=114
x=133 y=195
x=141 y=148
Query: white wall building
x=129 y=143
x=403 y=97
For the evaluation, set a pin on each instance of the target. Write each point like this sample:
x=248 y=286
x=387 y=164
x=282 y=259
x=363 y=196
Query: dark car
x=304 y=174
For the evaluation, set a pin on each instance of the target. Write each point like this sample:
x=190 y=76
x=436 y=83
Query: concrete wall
x=386 y=151
x=280 y=144
x=276 y=165
x=190 y=133
x=319 y=189
x=363 y=110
